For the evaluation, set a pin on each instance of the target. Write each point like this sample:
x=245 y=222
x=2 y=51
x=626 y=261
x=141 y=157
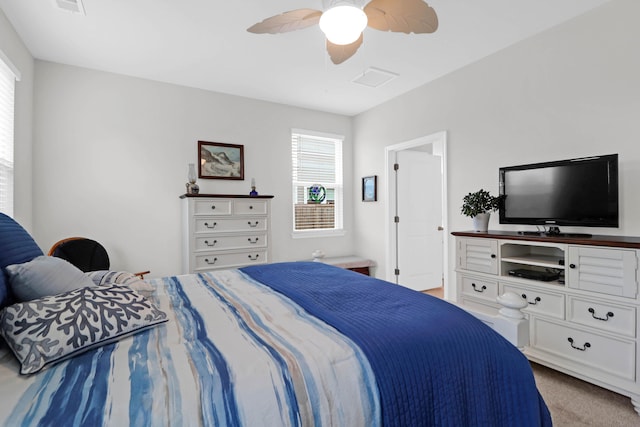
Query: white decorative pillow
x=122 y=278
x=51 y=329
x=107 y=277
x=44 y=276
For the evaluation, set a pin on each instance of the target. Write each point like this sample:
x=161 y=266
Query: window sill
x=304 y=234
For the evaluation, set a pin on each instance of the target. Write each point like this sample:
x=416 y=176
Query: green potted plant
x=479 y=206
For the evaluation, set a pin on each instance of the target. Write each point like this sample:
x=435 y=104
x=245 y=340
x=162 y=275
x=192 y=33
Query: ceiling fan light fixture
x=343 y=24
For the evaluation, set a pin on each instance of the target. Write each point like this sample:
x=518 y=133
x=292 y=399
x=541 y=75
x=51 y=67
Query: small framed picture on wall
x=370 y=188
x=220 y=161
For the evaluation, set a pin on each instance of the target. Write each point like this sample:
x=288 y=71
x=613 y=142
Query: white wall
x=15 y=51
x=569 y=92
x=111 y=153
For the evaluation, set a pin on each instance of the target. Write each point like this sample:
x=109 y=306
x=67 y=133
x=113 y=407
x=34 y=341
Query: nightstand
x=352 y=262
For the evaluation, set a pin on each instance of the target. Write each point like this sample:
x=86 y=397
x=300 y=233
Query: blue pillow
x=45 y=276
x=3 y=289
x=16 y=246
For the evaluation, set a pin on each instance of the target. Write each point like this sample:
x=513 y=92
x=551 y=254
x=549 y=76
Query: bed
x=297 y=343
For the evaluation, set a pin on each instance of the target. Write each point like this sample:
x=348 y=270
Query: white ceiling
x=204 y=44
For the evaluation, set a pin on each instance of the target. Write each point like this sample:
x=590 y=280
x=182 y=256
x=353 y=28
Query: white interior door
x=419 y=210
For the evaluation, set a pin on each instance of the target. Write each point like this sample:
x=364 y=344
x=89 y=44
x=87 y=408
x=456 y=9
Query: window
x=316 y=183
x=7 y=97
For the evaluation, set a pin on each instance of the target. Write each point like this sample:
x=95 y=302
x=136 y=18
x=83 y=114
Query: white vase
x=481 y=222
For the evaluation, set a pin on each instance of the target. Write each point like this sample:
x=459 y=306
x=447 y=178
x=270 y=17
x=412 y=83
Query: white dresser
x=224 y=231
x=584 y=323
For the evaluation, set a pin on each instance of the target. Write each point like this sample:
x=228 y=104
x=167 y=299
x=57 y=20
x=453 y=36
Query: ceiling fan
x=343 y=22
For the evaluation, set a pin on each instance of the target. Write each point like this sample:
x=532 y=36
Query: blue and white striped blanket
x=234 y=352
x=286 y=344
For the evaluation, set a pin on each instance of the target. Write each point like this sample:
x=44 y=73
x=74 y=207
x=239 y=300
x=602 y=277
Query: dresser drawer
x=212 y=207
x=480 y=288
x=213 y=242
x=214 y=225
x=604 y=353
x=481 y=306
x=539 y=302
x=250 y=207
x=603 y=315
x=229 y=231
x=217 y=260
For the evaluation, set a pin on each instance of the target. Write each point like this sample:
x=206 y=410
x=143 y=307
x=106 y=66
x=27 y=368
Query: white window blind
x=317 y=164
x=7 y=97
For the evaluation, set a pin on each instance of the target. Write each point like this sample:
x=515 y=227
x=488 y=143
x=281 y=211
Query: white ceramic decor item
x=481 y=222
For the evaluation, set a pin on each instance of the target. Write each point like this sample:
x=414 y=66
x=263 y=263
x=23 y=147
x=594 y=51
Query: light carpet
x=573 y=402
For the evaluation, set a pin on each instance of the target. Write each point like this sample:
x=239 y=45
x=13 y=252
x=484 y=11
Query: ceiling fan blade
x=401 y=16
x=288 y=21
x=340 y=53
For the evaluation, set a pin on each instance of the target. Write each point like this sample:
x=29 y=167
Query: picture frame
x=370 y=188
x=217 y=160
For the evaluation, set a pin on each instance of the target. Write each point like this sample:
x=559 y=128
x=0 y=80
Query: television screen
x=576 y=192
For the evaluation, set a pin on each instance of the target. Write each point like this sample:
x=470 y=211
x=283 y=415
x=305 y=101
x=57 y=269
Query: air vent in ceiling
x=73 y=6
x=374 y=77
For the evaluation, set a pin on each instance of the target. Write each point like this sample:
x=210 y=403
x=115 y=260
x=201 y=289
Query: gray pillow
x=44 y=276
x=51 y=329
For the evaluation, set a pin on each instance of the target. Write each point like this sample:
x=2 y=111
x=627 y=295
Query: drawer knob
x=253 y=258
x=253 y=242
x=493 y=256
x=583 y=348
x=253 y=225
x=206 y=224
x=572 y=266
x=206 y=242
x=535 y=301
x=213 y=206
x=250 y=206
x=482 y=289
x=210 y=262
x=604 y=319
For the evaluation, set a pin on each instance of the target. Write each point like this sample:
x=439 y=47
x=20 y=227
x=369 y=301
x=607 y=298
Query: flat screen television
x=576 y=192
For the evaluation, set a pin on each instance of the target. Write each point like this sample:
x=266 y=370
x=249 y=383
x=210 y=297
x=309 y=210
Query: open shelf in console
x=517 y=259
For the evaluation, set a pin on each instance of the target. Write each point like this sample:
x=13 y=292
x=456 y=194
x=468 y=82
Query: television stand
x=595 y=299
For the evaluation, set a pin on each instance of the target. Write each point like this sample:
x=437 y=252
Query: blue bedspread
x=435 y=364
